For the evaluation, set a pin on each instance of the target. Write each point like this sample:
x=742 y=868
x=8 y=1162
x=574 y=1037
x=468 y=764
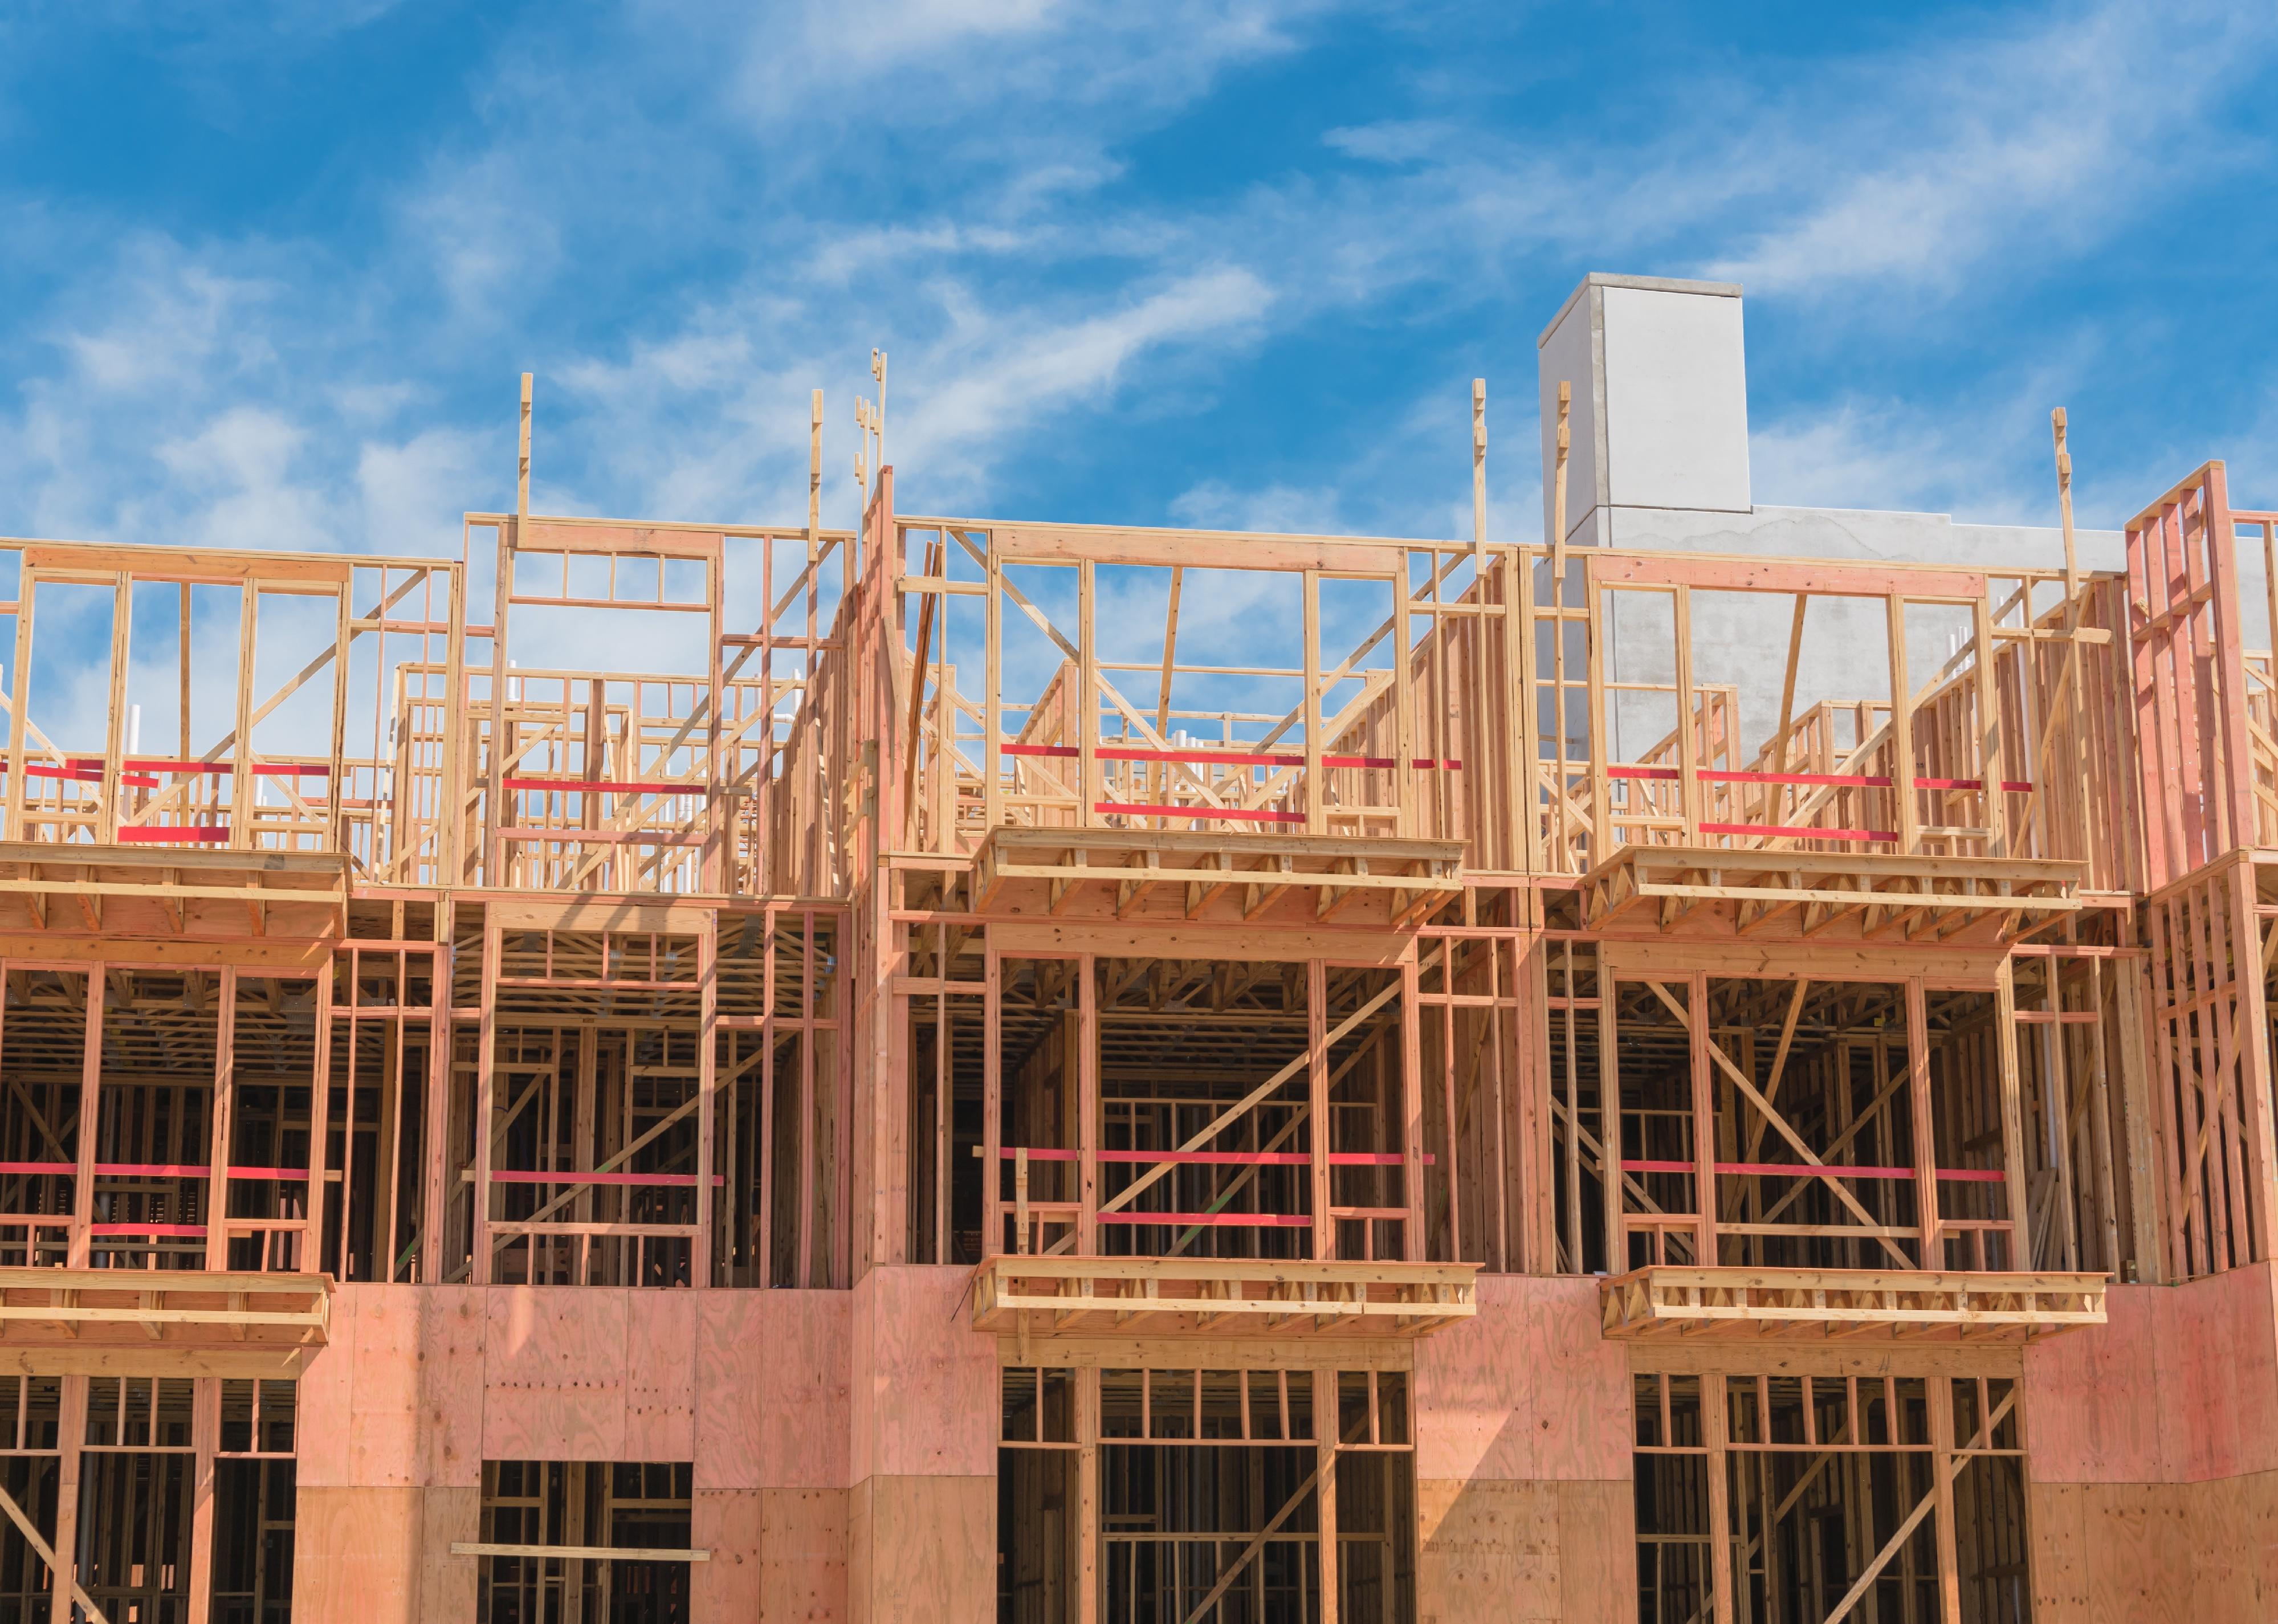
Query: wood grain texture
x=451 y=1331
x=446 y=1582
x=554 y=1373
x=803 y=1555
x=922 y=1550
x=772 y=1389
x=355 y=1556
x=1486 y=1549
x=660 y=1376
x=1597 y=1552
x=384 y=1406
x=2180 y=1386
x=2115 y=1553
x=726 y=1522
x=925 y=1380
x=1527 y=1389
x=326 y=1399
x=2088 y=1414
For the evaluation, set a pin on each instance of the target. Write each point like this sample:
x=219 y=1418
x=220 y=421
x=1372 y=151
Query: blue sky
x=272 y=268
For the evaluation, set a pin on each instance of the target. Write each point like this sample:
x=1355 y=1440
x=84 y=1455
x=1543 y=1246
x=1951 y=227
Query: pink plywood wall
x=1527 y=1390
x=418 y=1385
x=925 y=1392
x=2180 y=1386
x=772 y=1384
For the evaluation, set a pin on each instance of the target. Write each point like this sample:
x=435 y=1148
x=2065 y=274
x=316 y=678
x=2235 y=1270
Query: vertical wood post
x=91 y=1120
x=1918 y=1094
x=701 y=1270
x=1316 y=1110
x=485 y=1101
x=71 y=1438
x=1716 y=1430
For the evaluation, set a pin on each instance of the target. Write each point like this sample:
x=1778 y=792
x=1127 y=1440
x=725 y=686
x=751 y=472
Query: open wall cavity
x=1247 y=1494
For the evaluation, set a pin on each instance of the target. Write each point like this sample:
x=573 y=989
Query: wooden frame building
x=1074 y=1074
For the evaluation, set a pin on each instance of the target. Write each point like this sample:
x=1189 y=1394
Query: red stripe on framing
x=1222 y=1158
x=1230 y=1220
x=1798 y=1169
x=1719 y=776
x=146 y=1229
x=1862 y=836
x=671 y=1181
x=1221 y=758
x=1238 y=814
x=607 y=786
x=173 y=834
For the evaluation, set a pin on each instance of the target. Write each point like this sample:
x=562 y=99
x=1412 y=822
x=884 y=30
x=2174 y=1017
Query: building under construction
x=1686 y=1071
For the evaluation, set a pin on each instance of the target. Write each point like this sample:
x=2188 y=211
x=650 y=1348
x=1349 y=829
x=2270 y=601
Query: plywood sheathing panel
x=554 y=1374
x=1491 y=1550
x=326 y=1401
x=451 y=1338
x=923 y=1550
x=660 y=1376
x=2182 y=1386
x=1526 y=1390
x=803 y=1554
x=384 y=1403
x=727 y=1522
x=771 y=1389
x=2154 y=1457
x=356 y=1555
x=446 y=1582
x=2166 y=1553
x=925 y=1398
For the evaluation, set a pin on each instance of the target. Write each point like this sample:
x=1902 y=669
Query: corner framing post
x=2013 y=1118
x=244 y=793
x=509 y=539
x=205 y=1436
x=700 y=1270
x=224 y=1126
x=336 y=821
x=1085 y=714
x=1317 y=1114
x=1089 y=1576
x=1326 y=1425
x=1940 y=1388
x=1918 y=1095
x=1704 y=1122
x=1902 y=731
x=1087 y=1115
x=478 y=1268
x=1609 y=1119
x=1717 y=1431
x=1317 y=814
x=114 y=743
x=993 y=701
x=20 y=735
x=71 y=1438
x=320 y=1127
x=1688 y=741
x=1416 y=1246
x=1405 y=782
x=2254 y=1067
x=434 y=1200
x=90 y=1118
x=992 y=1104
x=719 y=830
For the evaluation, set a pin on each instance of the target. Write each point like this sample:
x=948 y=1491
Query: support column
x=1717 y=1431
x=90 y=1106
x=486 y=1103
x=71 y=1434
x=205 y=1436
